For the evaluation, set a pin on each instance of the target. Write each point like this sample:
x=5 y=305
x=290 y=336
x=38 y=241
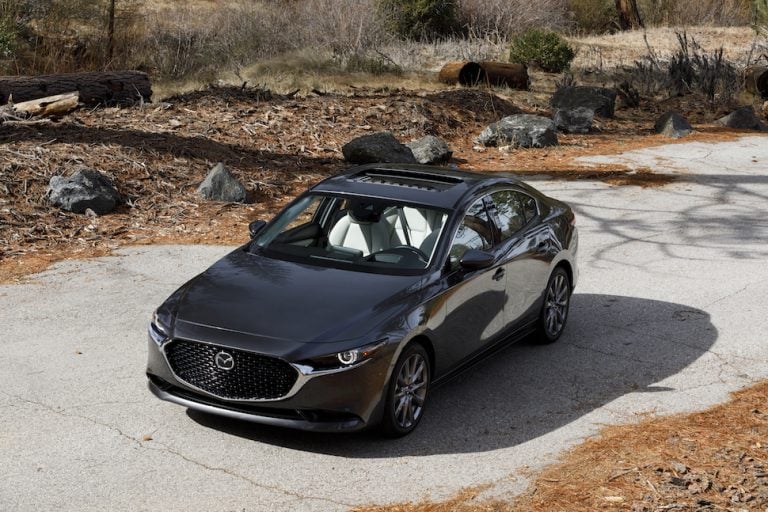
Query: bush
x=504 y=18
x=542 y=48
x=422 y=20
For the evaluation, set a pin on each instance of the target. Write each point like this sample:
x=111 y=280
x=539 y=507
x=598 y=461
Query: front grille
x=253 y=376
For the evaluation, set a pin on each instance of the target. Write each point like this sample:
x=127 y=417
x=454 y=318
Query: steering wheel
x=406 y=250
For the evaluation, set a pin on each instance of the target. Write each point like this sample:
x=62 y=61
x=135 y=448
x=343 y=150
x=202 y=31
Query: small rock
x=576 y=120
x=679 y=468
x=85 y=189
x=743 y=118
x=599 y=100
x=221 y=185
x=430 y=150
x=673 y=125
x=680 y=482
x=377 y=147
x=521 y=131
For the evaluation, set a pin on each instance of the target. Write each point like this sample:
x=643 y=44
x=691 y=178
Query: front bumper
x=343 y=401
x=164 y=391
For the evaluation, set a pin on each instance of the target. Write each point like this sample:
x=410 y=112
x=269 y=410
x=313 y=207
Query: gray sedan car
x=345 y=309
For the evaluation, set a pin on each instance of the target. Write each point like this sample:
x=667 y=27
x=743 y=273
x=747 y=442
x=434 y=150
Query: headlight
x=159 y=327
x=345 y=359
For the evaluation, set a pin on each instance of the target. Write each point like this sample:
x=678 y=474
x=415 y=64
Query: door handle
x=498 y=274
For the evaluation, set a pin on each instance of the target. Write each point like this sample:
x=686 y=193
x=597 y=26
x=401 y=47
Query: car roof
x=439 y=187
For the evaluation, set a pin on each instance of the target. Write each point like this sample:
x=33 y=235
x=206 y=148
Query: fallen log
x=52 y=106
x=473 y=74
x=94 y=88
x=756 y=81
x=462 y=72
x=499 y=74
x=49 y=107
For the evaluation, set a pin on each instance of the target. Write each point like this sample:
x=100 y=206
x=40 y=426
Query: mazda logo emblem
x=224 y=361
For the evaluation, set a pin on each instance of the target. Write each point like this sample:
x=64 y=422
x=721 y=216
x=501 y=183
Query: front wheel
x=407 y=393
x=554 y=311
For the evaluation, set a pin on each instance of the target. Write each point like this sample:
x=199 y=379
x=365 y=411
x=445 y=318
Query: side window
x=530 y=208
x=510 y=211
x=475 y=232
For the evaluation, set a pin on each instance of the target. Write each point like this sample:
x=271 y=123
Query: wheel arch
x=566 y=265
x=424 y=341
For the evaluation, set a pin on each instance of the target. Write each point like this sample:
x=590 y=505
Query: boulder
x=743 y=118
x=522 y=131
x=673 y=125
x=576 y=120
x=85 y=189
x=599 y=100
x=377 y=147
x=221 y=185
x=430 y=150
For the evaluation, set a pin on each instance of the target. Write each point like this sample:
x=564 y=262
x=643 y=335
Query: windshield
x=352 y=232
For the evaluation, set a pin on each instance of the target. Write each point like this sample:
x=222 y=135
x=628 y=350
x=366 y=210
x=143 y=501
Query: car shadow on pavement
x=613 y=346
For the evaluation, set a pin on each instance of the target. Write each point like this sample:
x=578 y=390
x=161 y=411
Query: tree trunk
x=629 y=14
x=95 y=88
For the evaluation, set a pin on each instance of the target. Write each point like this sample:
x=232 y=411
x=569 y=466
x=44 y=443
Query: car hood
x=268 y=298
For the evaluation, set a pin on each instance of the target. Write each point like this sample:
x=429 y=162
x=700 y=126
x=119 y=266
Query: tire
x=554 y=311
x=407 y=393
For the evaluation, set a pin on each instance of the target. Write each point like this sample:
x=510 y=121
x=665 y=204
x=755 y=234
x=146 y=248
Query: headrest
x=363 y=211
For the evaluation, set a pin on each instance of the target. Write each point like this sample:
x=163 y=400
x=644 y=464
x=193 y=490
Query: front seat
x=367 y=236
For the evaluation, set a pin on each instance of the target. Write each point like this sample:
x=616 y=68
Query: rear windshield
x=362 y=234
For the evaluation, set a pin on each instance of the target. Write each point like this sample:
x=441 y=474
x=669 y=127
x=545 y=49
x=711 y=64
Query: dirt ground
x=277 y=145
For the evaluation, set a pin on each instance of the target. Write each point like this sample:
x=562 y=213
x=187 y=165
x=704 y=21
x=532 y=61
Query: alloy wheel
x=411 y=391
x=556 y=305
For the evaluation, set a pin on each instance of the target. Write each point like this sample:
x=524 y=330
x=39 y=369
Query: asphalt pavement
x=669 y=316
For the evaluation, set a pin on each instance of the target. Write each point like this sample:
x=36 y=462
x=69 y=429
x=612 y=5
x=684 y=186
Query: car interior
x=360 y=230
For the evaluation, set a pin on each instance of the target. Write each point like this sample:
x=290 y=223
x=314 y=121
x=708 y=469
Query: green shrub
x=421 y=20
x=542 y=48
x=7 y=39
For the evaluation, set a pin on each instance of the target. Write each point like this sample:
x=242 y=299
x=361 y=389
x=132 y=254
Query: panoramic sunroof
x=410 y=179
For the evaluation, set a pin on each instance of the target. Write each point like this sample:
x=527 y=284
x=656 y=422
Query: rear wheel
x=554 y=311
x=408 y=391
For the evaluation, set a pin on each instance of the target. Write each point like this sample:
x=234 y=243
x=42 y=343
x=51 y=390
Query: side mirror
x=476 y=260
x=255 y=227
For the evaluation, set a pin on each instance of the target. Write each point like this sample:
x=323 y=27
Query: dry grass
x=623 y=49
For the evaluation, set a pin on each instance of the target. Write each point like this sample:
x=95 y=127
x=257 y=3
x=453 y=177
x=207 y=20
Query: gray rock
x=377 y=147
x=220 y=185
x=743 y=118
x=430 y=150
x=599 y=100
x=522 y=131
x=673 y=125
x=85 y=189
x=577 y=120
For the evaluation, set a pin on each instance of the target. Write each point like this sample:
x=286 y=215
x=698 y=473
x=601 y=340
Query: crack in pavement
x=159 y=447
x=62 y=412
x=297 y=496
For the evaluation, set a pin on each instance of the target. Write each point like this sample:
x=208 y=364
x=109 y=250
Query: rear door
x=523 y=253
